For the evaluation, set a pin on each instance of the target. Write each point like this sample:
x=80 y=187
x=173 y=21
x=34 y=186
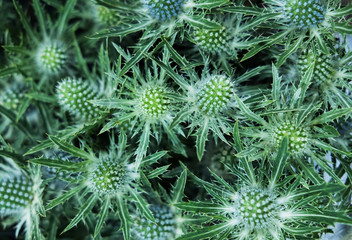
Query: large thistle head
x=154 y=102
x=214 y=95
x=164 y=227
x=21 y=198
x=74 y=96
x=305 y=14
x=164 y=10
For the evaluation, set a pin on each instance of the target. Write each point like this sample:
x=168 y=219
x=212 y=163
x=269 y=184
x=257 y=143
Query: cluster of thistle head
x=176 y=107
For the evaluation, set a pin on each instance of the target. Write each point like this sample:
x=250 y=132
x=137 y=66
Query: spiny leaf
x=178 y=189
x=64 y=197
x=83 y=212
x=142 y=205
x=103 y=213
x=201 y=138
x=71 y=149
x=280 y=162
x=124 y=218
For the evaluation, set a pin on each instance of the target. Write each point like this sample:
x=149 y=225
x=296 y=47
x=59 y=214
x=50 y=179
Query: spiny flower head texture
x=297 y=136
x=214 y=41
x=305 y=13
x=214 y=95
x=107 y=16
x=74 y=95
x=324 y=66
x=154 y=102
x=163 y=228
x=164 y=10
x=51 y=58
x=11 y=99
x=109 y=177
x=256 y=208
x=16 y=194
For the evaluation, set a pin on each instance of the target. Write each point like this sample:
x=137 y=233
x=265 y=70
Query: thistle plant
x=47 y=48
x=109 y=179
x=20 y=198
x=208 y=99
x=175 y=119
x=302 y=22
x=148 y=105
x=256 y=206
x=330 y=78
x=74 y=95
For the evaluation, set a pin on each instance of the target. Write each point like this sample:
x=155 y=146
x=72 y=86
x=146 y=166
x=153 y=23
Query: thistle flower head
x=16 y=194
x=107 y=16
x=164 y=10
x=109 y=177
x=154 y=102
x=51 y=58
x=297 y=136
x=11 y=99
x=214 y=41
x=164 y=227
x=74 y=95
x=306 y=13
x=325 y=67
x=214 y=95
x=256 y=208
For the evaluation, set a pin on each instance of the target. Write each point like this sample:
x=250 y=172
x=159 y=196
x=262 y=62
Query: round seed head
x=324 y=66
x=213 y=41
x=51 y=58
x=74 y=95
x=256 y=208
x=11 y=99
x=164 y=227
x=154 y=102
x=305 y=13
x=297 y=136
x=215 y=95
x=164 y=10
x=15 y=195
x=107 y=16
x=109 y=177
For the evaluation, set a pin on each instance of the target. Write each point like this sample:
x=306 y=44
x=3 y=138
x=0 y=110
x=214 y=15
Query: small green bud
x=74 y=95
x=11 y=99
x=51 y=58
x=108 y=16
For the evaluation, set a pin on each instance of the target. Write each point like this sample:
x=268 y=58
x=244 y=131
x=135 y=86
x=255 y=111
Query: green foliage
x=175 y=119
